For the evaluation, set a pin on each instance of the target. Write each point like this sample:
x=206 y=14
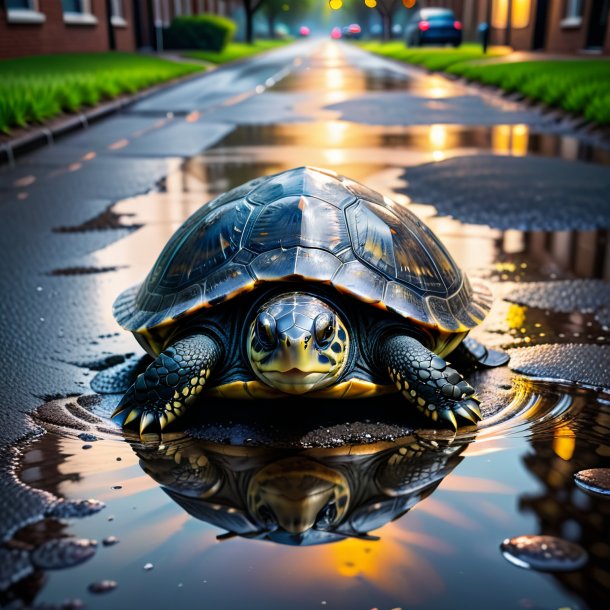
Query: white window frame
x=84 y=17
x=26 y=15
x=573 y=14
x=117 y=17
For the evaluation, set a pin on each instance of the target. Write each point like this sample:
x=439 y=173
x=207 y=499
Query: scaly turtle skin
x=303 y=283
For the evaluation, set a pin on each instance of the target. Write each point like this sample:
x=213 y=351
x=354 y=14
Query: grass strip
x=432 y=58
x=35 y=89
x=236 y=50
x=580 y=86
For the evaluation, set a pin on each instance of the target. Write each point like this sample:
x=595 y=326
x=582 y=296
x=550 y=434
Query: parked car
x=433 y=26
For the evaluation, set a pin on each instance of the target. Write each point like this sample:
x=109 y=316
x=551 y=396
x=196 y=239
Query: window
x=23 y=11
x=520 y=13
x=499 y=14
x=78 y=12
x=117 y=17
x=574 y=8
x=573 y=14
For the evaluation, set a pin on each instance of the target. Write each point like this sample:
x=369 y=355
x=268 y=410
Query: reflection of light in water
x=334 y=78
x=391 y=564
x=335 y=156
x=335 y=132
x=512 y=241
x=444 y=512
x=564 y=442
x=510 y=140
x=475 y=485
x=437 y=136
x=515 y=316
x=437 y=88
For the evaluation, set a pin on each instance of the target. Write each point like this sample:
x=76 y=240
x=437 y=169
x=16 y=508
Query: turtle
x=298 y=497
x=307 y=284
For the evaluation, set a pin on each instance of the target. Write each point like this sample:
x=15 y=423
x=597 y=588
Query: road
x=86 y=217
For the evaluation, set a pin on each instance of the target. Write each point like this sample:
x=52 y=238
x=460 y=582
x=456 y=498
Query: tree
x=386 y=9
x=250 y=7
x=290 y=12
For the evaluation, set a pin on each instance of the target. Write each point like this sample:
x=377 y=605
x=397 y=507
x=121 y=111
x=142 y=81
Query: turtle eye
x=324 y=326
x=265 y=330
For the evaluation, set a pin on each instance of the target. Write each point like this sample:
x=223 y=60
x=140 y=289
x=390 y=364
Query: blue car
x=433 y=26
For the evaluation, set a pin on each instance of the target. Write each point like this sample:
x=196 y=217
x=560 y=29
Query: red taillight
x=457 y=25
x=424 y=26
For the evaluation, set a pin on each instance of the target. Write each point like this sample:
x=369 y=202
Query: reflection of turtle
x=297 y=497
x=303 y=283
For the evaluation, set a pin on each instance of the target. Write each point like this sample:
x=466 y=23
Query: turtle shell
x=309 y=225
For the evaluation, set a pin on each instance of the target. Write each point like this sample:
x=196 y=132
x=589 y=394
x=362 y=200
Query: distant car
x=433 y=26
x=353 y=31
x=335 y=33
x=304 y=31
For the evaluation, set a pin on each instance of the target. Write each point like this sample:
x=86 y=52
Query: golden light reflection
x=564 y=442
x=437 y=137
x=390 y=564
x=334 y=78
x=515 y=316
x=510 y=140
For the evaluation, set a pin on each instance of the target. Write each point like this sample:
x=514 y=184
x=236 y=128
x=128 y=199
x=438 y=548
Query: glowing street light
x=335 y=5
x=371 y=3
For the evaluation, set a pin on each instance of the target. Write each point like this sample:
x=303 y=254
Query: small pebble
x=544 y=553
x=148 y=566
x=110 y=541
x=119 y=459
x=594 y=480
x=117 y=487
x=103 y=586
x=86 y=446
x=89 y=438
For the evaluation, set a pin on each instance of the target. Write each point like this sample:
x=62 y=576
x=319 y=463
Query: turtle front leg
x=170 y=384
x=424 y=379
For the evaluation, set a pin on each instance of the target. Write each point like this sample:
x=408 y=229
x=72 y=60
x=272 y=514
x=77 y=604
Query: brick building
x=556 y=26
x=35 y=27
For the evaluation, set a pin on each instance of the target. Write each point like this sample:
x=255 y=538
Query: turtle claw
x=448 y=416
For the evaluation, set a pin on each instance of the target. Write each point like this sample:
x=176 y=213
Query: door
x=540 y=24
x=598 y=22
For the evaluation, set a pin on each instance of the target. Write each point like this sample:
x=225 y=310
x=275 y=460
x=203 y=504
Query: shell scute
x=305 y=225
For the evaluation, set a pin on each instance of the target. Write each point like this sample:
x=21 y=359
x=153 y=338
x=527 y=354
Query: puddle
x=365 y=525
x=234 y=511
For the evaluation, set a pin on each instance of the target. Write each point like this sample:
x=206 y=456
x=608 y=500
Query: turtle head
x=297 y=343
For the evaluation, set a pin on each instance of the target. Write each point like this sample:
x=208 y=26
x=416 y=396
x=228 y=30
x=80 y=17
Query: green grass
x=581 y=87
x=35 y=89
x=236 y=50
x=435 y=58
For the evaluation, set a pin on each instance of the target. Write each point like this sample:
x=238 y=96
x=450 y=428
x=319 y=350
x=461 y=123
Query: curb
x=43 y=136
x=575 y=121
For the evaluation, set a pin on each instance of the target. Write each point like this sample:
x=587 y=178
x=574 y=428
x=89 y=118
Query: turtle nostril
x=287 y=341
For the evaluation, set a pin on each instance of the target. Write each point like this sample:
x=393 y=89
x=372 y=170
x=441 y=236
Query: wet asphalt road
x=85 y=218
